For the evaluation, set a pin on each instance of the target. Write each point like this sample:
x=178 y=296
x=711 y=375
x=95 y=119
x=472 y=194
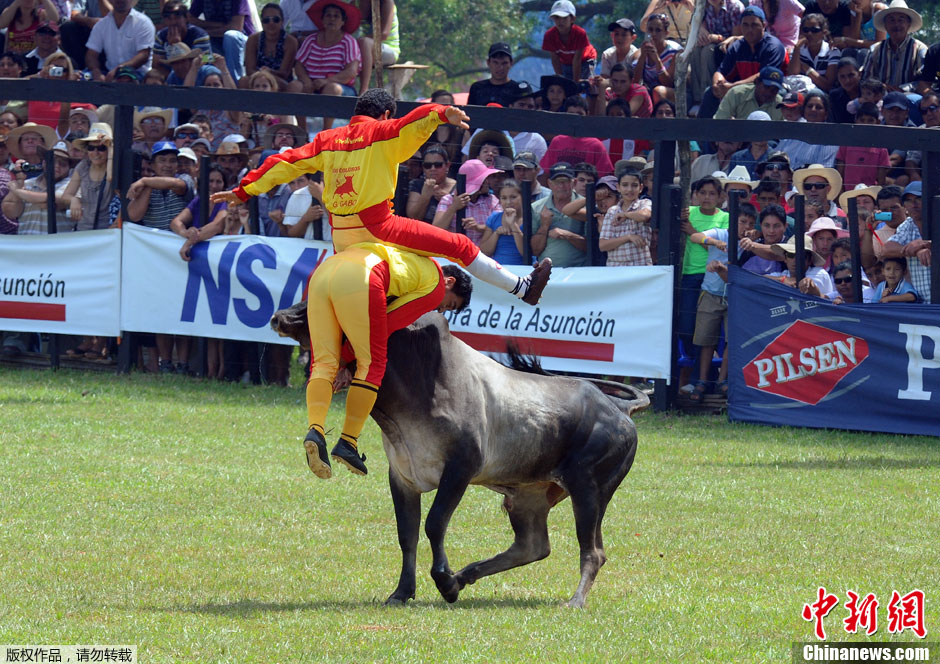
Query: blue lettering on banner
x=219 y=293
x=255 y=317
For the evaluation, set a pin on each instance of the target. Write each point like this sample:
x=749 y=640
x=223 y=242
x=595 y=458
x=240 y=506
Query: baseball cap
x=526 y=160
x=500 y=47
x=561 y=169
x=624 y=23
x=563 y=8
x=915 y=188
x=754 y=11
x=201 y=141
x=791 y=100
x=189 y=126
x=128 y=72
x=896 y=100
x=771 y=76
x=48 y=26
x=189 y=154
x=164 y=146
x=524 y=89
x=608 y=181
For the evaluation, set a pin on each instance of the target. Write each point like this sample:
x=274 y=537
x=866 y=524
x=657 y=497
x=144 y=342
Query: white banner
x=66 y=283
x=229 y=290
x=595 y=320
x=600 y=320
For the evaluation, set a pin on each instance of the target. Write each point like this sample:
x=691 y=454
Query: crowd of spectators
x=841 y=61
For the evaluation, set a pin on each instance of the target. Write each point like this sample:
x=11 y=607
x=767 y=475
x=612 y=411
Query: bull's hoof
x=447 y=585
x=396 y=600
x=575 y=603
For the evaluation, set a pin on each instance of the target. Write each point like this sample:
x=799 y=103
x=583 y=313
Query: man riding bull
x=360 y=167
x=347 y=295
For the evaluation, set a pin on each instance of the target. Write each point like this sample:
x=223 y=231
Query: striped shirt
x=321 y=62
x=827 y=57
x=896 y=67
x=166 y=204
x=920 y=273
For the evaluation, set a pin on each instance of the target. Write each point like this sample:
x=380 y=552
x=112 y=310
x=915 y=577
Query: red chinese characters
x=904 y=612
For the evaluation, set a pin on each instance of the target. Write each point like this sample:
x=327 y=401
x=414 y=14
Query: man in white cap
x=899 y=58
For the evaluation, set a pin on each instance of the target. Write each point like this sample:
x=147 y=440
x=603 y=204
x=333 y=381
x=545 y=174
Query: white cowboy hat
x=738 y=175
x=830 y=174
x=859 y=190
x=789 y=247
x=153 y=112
x=13 y=138
x=100 y=131
x=898 y=7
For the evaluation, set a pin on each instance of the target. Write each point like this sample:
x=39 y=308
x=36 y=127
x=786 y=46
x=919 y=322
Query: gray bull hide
x=451 y=417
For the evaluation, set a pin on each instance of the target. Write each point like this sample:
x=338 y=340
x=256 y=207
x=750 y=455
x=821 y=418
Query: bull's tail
x=626 y=397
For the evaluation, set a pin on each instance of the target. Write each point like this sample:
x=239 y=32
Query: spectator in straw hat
x=898 y=59
x=232 y=159
x=822 y=185
x=25 y=141
x=152 y=123
x=91 y=188
x=816 y=280
x=26 y=200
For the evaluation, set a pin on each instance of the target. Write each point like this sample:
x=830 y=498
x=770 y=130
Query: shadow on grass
x=249 y=608
x=864 y=463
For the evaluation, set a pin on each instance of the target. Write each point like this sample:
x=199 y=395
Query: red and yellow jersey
x=359 y=161
x=410 y=276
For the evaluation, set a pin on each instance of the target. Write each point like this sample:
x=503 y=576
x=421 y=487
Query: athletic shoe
x=317 y=459
x=537 y=280
x=349 y=457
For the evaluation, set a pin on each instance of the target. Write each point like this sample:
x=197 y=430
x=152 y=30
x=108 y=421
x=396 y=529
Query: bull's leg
x=528 y=514
x=454 y=481
x=407 y=504
x=587 y=504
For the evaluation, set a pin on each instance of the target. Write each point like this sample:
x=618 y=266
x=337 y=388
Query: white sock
x=486 y=269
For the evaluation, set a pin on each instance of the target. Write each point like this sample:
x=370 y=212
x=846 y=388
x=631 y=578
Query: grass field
x=180 y=516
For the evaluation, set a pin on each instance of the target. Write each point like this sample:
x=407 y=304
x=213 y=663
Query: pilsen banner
x=591 y=320
x=67 y=283
x=798 y=360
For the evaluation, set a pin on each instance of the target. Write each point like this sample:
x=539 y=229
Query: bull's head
x=292 y=322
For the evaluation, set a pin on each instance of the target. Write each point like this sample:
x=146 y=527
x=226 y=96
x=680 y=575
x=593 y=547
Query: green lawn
x=180 y=516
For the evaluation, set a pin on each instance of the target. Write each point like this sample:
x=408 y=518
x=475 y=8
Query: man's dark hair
x=374 y=102
x=463 y=285
x=622 y=103
x=872 y=84
x=891 y=191
x=575 y=100
x=774 y=211
x=868 y=109
x=585 y=167
x=747 y=210
x=842 y=242
x=844 y=265
x=618 y=67
x=771 y=186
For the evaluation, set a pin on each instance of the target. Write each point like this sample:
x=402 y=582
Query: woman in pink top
x=783 y=19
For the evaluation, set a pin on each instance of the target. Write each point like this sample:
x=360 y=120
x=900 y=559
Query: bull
x=451 y=417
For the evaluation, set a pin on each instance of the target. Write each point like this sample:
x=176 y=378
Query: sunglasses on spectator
x=433 y=164
x=187 y=134
x=812 y=30
x=151 y=120
x=46 y=31
x=97 y=148
x=179 y=12
x=929 y=109
x=776 y=166
x=815 y=185
x=842 y=280
x=271 y=19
